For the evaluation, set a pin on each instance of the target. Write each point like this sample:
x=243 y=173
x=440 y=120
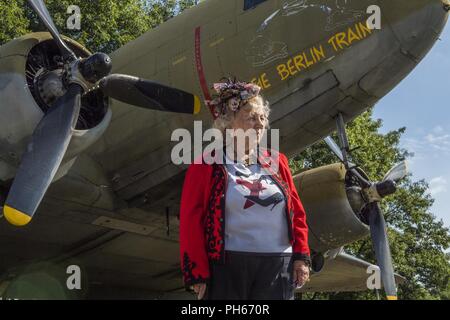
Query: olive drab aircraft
x=87 y=184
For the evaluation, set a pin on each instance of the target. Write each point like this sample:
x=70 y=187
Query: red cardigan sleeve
x=300 y=248
x=193 y=208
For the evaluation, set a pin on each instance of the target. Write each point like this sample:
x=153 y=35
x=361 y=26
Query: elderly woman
x=243 y=232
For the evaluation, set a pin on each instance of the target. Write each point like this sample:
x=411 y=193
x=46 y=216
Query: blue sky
x=421 y=103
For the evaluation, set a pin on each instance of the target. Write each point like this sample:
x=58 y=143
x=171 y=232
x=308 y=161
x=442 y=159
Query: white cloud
x=438 y=139
x=438 y=130
x=439 y=142
x=416 y=146
x=438 y=185
x=435 y=143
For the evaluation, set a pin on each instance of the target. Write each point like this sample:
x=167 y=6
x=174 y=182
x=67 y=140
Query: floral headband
x=231 y=95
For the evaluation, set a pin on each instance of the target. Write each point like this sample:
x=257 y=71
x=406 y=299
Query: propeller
x=375 y=192
x=334 y=147
x=52 y=136
x=149 y=94
x=382 y=251
x=338 y=152
x=43 y=14
x=397 y=172
x=42 y=158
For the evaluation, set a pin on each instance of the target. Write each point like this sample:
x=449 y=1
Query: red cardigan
x=202 y=216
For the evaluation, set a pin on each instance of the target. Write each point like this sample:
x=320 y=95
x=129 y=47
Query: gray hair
x=223 y=121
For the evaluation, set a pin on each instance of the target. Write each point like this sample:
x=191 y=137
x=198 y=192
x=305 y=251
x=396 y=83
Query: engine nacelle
x=30 y=81
x=332 y=203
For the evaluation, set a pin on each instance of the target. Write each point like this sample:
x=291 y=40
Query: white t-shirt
x=255 y=218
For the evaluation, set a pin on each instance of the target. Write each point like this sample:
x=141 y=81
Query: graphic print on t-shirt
x=255 y=187
x=255 y=211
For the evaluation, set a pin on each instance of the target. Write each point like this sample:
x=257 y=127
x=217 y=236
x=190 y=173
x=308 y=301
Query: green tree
x=13 y=21
x=418 y=241
x=105 y=24
x=162 y=10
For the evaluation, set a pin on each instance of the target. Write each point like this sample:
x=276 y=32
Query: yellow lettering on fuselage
x=262 y=81
x=302 y=61
x=311 y=56
x=345 y=39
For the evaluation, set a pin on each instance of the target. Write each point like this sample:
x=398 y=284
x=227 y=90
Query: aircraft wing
x=342 y=274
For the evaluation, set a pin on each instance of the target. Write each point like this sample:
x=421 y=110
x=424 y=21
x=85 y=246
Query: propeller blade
x=382 y=250
x=42 y=158
x=334 y=147
x=397 y=172
x=43 y=14
x=148 y=94
x=338 y=152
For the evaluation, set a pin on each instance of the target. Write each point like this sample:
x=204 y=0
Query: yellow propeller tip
x=392 y=297
x=15 y=217
x=197 y=105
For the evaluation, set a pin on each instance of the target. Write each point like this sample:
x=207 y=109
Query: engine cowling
x=333 y=203
x=30 y=82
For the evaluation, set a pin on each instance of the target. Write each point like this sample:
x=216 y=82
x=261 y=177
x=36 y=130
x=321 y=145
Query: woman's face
x=250 y=117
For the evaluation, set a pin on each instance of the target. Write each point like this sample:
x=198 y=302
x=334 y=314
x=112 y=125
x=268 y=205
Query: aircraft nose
x=416 y=23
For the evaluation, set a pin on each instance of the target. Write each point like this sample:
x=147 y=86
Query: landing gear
x=343 y=140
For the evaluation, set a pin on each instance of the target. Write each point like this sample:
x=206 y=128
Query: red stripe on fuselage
x=199 y=65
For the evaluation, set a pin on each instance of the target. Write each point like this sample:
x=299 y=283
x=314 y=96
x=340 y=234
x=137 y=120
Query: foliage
x=105 y=24
x=13 y=22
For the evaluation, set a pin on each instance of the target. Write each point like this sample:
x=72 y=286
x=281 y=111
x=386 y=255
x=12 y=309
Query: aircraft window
x=248 y=4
